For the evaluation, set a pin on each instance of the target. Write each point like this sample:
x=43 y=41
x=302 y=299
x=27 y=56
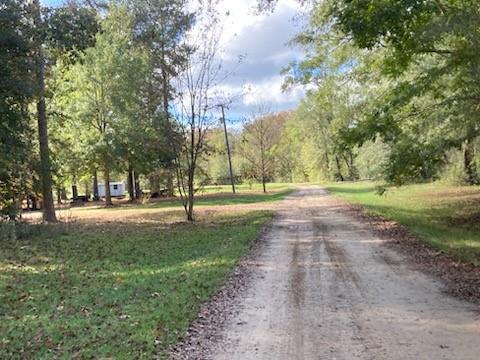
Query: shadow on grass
x=439 y=225
x=243 y=198
x=216 y=199
x=111 y=289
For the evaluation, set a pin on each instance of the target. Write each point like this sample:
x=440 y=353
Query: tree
x=195 y=115
x=260 y=134
x=414 y=61
x=101 y=93
x=16 y=93
x=45 y=165
x=161 y=26
x=69 y=30
x=36 y=37
x=431 y=52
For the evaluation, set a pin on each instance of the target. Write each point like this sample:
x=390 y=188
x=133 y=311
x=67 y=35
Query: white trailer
x=117 y=189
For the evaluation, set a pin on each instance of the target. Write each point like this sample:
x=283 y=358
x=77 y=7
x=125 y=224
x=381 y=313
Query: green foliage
x=372 y=160
x=215 y=162
x=412 y=74
x=258 y=144
x=313 y=131
x=161 y=25
x=430 y=47
x=99 y=97
x=69 y=30
x=16 y=93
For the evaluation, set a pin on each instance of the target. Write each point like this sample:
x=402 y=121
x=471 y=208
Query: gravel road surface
x=324 y=287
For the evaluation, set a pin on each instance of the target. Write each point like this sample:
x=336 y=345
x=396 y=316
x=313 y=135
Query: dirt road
x=326 y=288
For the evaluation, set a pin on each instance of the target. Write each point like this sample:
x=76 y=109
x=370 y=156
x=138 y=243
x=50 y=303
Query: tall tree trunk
x=59 y=195
x=165 y=90
x=87 y=190
x=349 y=162
x=74 y=192
x=138 y=189
x=170 y=186
x=108 y=195
x=95 y=186
x=191 y=193
x=74 y=189
x=263 y=166
x=154 y=180
x=166 y=95
x=131 y=185
x=45 y=167
x=339 y=171
x=469 y=163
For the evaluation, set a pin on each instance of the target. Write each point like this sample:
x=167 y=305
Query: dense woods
x=127 y=91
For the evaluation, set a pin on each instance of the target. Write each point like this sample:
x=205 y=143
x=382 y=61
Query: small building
x=117 y=189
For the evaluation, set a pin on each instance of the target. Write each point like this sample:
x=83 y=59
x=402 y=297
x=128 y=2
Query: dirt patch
x=462 y=280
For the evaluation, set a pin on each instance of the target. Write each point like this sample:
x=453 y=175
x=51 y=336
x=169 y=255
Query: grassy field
x=242 y=188
x=221 y=195
x=446 y=217
x=208 y=197
x=124 y=289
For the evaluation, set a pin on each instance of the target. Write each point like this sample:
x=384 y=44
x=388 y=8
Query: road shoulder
x=460 y=280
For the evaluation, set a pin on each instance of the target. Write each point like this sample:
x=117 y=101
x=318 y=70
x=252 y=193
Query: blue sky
x=262 y=41
x=51 y=2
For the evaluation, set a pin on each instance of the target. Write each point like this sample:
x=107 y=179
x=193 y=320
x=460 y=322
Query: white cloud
x=270 y=91
x=262 y=40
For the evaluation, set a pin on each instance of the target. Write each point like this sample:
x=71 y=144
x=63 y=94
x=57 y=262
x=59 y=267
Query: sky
x=262 y=42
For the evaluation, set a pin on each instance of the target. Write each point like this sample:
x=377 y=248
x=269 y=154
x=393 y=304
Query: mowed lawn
x=211 y=197
x=123 y=287
x=446 y=217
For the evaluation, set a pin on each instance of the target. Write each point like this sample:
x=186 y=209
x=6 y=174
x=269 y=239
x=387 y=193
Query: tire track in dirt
x=325 y=287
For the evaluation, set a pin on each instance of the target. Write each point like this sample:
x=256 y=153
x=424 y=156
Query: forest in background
x=392 y=95
x=127 y=90
x=93 y=92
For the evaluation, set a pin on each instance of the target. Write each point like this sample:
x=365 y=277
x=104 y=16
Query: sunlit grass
x=447 y=217
x=215 y=195
x=113 y=289
x=245 y=187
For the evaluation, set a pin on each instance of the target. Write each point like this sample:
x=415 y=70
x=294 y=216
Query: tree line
x=392 y=93
x=109 y=88
x=396 y=80
x=92 y=90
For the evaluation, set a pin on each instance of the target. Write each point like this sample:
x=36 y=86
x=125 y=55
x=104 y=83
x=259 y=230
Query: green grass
x=245 y=188
x=243 y=198
x=225 y=198
x=118 y=290
x=219 y=195
x=446 y=217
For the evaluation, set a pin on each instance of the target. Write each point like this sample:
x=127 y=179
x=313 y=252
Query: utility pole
x=228 y=148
